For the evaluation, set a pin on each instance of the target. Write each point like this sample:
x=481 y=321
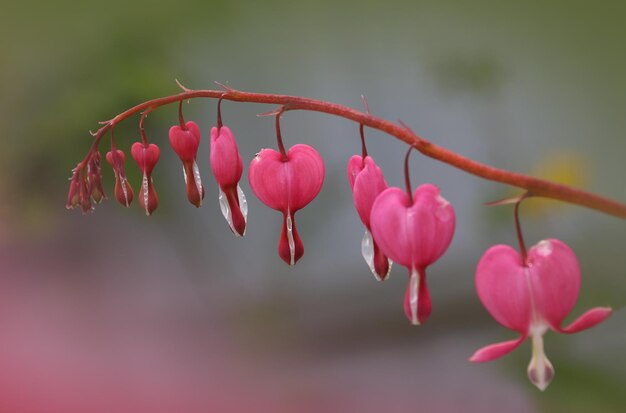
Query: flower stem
x=181 y=119
x=538 y=187
x=518 y=229
x=219 y=113
x=279 y=137
x=407 y=175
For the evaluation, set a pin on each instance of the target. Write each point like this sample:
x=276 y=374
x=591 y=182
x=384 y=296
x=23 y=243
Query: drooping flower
x=414 y=232
x=532 y=297
x=123 y=191
x=227 y=169
x=287 y=183
x=367 y=182
x=146 y=156
x=185 y=142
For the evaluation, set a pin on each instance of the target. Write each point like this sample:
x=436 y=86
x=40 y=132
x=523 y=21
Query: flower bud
x=146 y=157
x=227 y=169
x=185 y=142
x=287 y=184
x=123 y=191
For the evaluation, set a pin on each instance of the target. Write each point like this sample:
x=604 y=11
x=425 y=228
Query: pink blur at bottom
x=126 y=333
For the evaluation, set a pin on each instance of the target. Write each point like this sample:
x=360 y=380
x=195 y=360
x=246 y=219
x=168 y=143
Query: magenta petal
x=224 y=157
x=413 y=235
x=587 y=320
x=305 y=169
x=502 y=287
x=185 y=142
x=555 y=279
x=495 y=351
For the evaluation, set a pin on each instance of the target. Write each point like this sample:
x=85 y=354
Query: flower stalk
x=535 y=186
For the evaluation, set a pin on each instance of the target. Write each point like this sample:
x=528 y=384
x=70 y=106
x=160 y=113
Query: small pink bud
x=123 y=191
x=73 y=195
x=287 y=184
x=227 y=169
x=94 y=175
x=532 y=297
x=185 y=143
x=367 y=182
x=415 y=235
x=146 y=157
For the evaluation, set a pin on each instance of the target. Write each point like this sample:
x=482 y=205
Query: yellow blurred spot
x=563 y=167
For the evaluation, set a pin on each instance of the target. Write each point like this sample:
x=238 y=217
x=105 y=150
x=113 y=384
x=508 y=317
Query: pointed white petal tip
x=540 y=370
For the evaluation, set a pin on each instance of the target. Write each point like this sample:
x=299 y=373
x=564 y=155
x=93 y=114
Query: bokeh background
x=116 y=312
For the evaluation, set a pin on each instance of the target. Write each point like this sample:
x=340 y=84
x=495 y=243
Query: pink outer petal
x=497 y=350
x=502 y=287
x=388 y=221
x=414 y=235
x=224 y=157
x=306 y=169
x=355 y=166
x=555 y=279
x=185 y=142
x=587 y=320
x=367 y=185
x=268 y=179
x=290 y=184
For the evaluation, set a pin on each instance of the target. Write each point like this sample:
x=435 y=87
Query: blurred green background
x=118 y=312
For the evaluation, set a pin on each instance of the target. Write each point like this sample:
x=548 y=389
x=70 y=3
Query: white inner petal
x=243 y=204
x=197 y=179
x=185 y=174
x=414 y=286
x=144 y=187
x=540 y=370
x=367 y=250
x=225 y=208
x=124 y=190
x=292 y=244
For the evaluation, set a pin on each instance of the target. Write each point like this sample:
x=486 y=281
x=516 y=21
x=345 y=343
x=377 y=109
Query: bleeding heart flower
x=185 y=142
x=531 y=297
x=414 y=233
x=123 y=191
x=146 y=156
x=227 y=168
x=367 y=182
x=287 y=183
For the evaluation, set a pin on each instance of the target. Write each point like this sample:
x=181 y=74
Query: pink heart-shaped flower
x=414 y=234
x=367 y=182
x=146 y=157
x=287 y=184
x=123 y=190
x=185 y=142
x=227 y=169
x=531 y=297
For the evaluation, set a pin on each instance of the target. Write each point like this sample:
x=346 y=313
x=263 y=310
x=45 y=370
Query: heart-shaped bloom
x=146 y=156
x=227 y=168
x=123 y=191
x=185 y=142
x=287 y=183
x=367 y=182
x=414 y=233
x=531 y=297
